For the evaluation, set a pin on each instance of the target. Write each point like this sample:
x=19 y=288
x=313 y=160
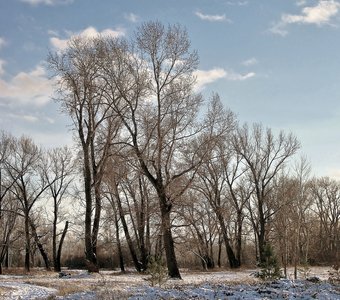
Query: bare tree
x=264 y=155
x=59 y=173
x=25 y=168
x=81 y=96
x=326 y=194
x=153 y=76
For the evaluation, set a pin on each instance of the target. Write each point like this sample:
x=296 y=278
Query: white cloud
x=239 y=77
x=47 y=2
x=207 y=77
x=131 y=17
x=89 y=32
x=239 y=3
x=2 y=42
x=212 y=18
x=301 y=2
x=32 y=88
x=27 y=118
x=2 y=70
x=320 y=14
x=250 y=62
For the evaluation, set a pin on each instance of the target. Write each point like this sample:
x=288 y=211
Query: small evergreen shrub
x=157 y=271
x=270 y=269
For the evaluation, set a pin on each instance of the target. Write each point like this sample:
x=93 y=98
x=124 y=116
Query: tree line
x=166 y=171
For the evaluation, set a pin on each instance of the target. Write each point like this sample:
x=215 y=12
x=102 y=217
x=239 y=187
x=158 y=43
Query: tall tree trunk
x=57 y=264
x=40 y=245
x=233 y=261
x=239 y=237
x=119 y=247
x=90 y=255
x=27 y=243
x=96 y=219
x=168 y=239
x=261 y=234
x=54 y=235
x=127 y=234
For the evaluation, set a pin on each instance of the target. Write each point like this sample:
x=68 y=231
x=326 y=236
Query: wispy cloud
x=250 y=62
x=131 y=17
x=89 y=32
x=320 y=14
x=24 y=117
x=206 y=77
x=2 y=70
x=32 y=88
x=301 y=2
x=238 y=3
x=212 y=18
x=2 y=42
x=47 y=2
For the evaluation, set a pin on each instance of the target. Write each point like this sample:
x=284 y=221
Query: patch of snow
x=24 y=291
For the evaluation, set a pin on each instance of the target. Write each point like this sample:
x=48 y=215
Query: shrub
x=334 y=274
x=157 y=271
x=270 y=269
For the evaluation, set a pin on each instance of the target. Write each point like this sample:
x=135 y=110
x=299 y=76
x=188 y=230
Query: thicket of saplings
x=157 y=173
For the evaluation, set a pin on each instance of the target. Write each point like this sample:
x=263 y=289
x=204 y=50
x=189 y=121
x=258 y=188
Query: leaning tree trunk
x=40 y=246
x=127 y=233
x=57 y=264
x=233 y=261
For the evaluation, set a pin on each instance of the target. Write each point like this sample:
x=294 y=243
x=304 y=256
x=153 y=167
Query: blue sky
x=276 y=62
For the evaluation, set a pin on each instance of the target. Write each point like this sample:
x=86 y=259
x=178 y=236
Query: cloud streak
x=47 y=2
x=206 y=77
x=212 y=18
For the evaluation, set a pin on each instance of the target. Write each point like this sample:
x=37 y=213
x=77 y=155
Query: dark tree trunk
x=57 y=264
x=239 y=237
x=40 y=246
x=233 y=261
x=168 y=239
x=119 y=247
x=261 y=234
x=96 y=219
x=127 y=235
x=90 y=255
x=27 y=243
x=54 y=235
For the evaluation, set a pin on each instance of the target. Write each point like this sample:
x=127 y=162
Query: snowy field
x=195 y=285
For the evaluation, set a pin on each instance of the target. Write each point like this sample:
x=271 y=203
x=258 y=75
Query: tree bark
x=40 y=246
x=27 y=243
x=57 y=264
x=233 y=261
x=168 y=239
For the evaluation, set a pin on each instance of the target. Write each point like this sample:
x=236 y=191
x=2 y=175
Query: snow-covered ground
x=194 y=285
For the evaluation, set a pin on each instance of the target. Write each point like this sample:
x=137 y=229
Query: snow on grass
x=238 y=284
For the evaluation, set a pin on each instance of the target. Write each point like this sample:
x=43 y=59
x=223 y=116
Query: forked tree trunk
x=233 y=261
x=127 y=233
x=40 y=246
x=57 y=264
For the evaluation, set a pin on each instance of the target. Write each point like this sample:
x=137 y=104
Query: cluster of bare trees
x=160 y=171
x=30 y=177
